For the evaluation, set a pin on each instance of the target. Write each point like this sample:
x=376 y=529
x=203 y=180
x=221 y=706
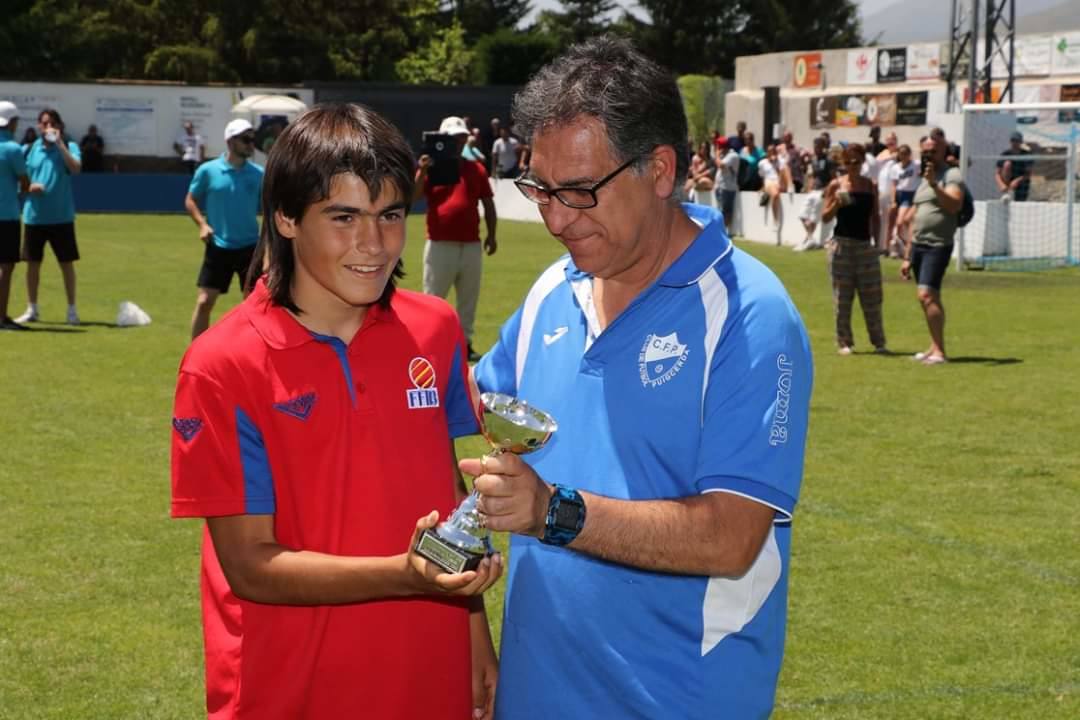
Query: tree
x=484 y=17
x=509 y=57
x=706 y=36
x=443 y=61
x=578 y=20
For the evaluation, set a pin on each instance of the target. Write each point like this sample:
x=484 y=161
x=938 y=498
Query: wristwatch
x=565 y=516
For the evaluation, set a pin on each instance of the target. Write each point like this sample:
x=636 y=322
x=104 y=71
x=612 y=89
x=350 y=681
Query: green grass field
x=935 y=569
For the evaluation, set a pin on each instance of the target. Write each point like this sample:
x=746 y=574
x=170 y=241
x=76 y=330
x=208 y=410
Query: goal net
x=1020 y=164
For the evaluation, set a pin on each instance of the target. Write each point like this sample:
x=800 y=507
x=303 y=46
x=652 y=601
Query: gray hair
x=607 y=78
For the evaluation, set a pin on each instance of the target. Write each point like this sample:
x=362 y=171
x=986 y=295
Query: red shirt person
x=313 y=426
x=452 y=256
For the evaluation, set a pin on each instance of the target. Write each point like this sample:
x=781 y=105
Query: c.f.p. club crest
x=660 y=359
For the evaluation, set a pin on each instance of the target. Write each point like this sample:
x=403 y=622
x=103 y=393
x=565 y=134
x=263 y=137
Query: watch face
x=566 y=516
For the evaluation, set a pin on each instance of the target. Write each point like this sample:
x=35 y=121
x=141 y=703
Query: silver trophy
x=509 y=425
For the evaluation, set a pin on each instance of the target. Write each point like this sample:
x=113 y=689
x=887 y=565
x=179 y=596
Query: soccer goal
x=1031 y=223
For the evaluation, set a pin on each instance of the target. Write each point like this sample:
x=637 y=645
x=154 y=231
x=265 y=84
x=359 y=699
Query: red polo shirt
x=451 y=209
x=347 y=446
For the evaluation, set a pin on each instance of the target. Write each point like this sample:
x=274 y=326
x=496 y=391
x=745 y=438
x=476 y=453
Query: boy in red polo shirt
x=313 y=427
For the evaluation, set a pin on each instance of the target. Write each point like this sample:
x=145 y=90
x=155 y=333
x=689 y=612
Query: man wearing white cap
x=223 y=200
x=452 y=256
x=12 y=179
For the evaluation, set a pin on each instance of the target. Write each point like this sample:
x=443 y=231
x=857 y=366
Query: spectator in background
x=13 y=180
x=886 y=161
x=490 y=134
x=822 y=171
x=906 y=179
x=472 y=151
x=28 y=139
x=191 y=147
x=737 y=141
x=795 y=161
x=700 y=175
x=1014 y=176
x=937 y=204
x=854 y=261
x=223 y=200
x=727 y=179
x=504 y=154
x=773 y=176
x=875 y=146
x=49 y=211
x=750 y=179
x=92 y=147
x=452 y=255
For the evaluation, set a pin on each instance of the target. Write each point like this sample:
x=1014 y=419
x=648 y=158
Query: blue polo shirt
x=701 y=385
x=45 y=165
x=229 y=197
x=12 y=167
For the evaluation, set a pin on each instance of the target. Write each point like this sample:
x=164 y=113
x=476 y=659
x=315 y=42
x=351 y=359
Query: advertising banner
x=128 y=124
x=807 y=72
x=861 y=67
x=1065 y=54
x=911 y=108
x=924 y=61
x=823 y=112
x=1031 y=56
x=891 y=65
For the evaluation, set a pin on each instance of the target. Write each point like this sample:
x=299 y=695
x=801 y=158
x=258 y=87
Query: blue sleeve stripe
x=258 y=481
x=780 y=501
x=460 y=415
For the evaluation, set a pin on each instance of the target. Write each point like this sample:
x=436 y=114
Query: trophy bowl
x=509 y=425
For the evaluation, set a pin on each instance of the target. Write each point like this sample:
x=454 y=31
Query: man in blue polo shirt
x=49 y=211
x=223 y=200
x=12 y=179
x=649 y=562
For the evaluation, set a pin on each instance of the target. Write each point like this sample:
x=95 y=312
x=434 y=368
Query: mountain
x=907 y=21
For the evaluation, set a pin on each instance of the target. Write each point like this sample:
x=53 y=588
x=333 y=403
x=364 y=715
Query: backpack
x=967 y=208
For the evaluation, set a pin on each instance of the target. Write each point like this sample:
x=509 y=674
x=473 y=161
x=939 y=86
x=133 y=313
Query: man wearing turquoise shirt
x=223 y=200
x=49 y=212
x=12 y=180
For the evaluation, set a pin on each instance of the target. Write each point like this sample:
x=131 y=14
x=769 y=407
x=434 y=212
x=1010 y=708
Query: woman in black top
x=853 y=257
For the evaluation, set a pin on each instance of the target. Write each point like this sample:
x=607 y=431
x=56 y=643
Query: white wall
x=136 y=119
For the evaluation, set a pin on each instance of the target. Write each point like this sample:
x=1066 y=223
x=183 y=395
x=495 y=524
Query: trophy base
x=451 y=558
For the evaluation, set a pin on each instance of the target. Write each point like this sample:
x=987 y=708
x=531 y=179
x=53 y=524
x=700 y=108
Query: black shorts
x=60 y=237
x=9 y=241
x=929 y=263
x=220 y=264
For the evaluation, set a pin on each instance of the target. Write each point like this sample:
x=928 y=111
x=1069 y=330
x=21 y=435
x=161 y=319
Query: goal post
x=1032 y=223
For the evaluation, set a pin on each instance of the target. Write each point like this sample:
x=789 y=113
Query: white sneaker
x=72 y=317
x=31 y=315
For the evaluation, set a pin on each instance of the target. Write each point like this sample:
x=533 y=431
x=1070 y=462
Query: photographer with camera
x=938 y=200
x=452 y=254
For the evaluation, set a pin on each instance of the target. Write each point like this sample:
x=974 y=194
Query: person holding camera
x=854 y=261
x=452 y=256
x=49 y=212
x=937 y=206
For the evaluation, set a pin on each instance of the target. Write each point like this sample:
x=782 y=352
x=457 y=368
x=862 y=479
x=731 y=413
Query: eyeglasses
x=572 y=197
x=246 y=138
